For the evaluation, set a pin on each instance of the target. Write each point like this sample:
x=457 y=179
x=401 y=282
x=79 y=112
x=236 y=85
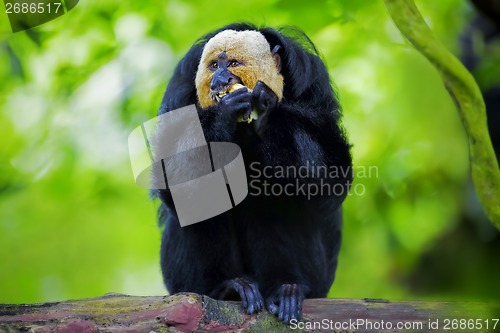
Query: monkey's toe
x=287 y=302
x=249 y=293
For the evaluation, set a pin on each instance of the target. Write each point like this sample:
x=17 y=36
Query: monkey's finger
x=251 y=308
x=294 y=305
x=287 y=303
x=282 y=301
x=232 y=112
x=259 y=301
x=250 y=296
x=261 y=99
x=228 y=102
x=242 y=107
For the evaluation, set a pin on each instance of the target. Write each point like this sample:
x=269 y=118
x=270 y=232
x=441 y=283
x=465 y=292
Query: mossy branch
x=115 y=313
x=467 y=96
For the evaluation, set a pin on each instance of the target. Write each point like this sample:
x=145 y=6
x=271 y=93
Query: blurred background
x=73 y=224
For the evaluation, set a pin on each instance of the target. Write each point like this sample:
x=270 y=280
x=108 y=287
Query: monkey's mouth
x=217 y=95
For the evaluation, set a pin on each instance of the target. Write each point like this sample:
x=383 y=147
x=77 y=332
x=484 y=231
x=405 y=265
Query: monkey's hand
x=265 y=102
x=286 y=303
x=236 y=103
x=264 y=99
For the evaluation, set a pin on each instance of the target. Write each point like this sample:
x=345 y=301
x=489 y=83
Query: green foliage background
x=73 y=224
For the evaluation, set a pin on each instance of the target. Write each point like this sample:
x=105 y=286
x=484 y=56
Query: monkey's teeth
x=218 y=96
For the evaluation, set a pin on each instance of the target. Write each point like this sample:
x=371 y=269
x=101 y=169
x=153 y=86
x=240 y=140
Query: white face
x=251 y=50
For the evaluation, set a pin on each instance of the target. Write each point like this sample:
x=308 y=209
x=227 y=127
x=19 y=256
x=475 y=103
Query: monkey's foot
x=249 y=293
x=287 y=302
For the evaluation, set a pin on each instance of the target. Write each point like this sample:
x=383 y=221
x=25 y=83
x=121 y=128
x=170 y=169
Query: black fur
x=285 y=245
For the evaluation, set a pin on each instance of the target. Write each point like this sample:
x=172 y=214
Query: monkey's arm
x=310 y=131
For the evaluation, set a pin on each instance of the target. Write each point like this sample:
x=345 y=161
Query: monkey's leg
x=289 y=261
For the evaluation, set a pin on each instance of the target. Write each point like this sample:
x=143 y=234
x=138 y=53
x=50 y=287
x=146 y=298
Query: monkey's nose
x=219 y=84
x=222 y=80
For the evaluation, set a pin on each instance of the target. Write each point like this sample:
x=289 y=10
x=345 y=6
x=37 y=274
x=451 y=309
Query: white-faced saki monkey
x=268 y=91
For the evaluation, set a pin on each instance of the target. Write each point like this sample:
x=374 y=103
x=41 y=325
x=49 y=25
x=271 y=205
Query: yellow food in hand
x=234 y=87
x=253 y=116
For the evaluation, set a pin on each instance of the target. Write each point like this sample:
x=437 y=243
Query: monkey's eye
x=234 y=63
x=213 y=66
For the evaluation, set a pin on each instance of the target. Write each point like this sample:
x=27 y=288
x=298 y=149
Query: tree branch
x=192 y=312
x=467 y=96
